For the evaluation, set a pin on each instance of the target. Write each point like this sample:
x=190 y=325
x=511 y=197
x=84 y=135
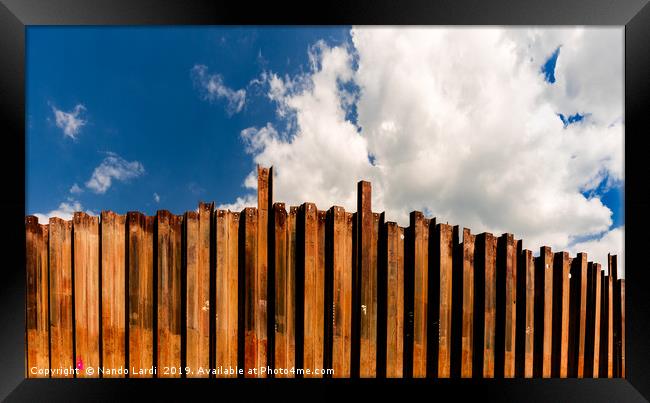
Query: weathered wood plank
x=578 y=312
x=542 y=365
x=617 y=316
x=140 y=301
x=342 y=291
x=395 y=300
x=506 y=307
x=606 y=326
x=38 y=360
x=622 y=329
x=197 y=313
x=251 y=344
x=86 y=292
x=525 y=340
x=368 y=283
x=468 y=304
x=313 y=334
x=560 y=324
x=226 y=292
x=443 y=274
x=261 y=272
x=485 y=305
x=60 y=244
x=169 y=260
x=113 y=238
x=592 y=330
x=283 y=318
x=420 y=293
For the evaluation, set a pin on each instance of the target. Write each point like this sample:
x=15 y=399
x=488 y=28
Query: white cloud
x=71 y=122
x=211 y=87
x=113 y=167
x=75 y=189
x=240 y=203
x=156 y=197
x=65 y=211
x=459 y=123
x=611 y=242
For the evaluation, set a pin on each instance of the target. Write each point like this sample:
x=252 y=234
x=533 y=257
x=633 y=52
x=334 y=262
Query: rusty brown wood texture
x=395 y=300
x=341 y=291
x=525 y=337
x=578 y=314
x=60 y=249
x=592 y=332
x=366 y=255
x=217 y=293
x=169 y=266
x=86 y=293
x=113 y=233
x=140 y=299
x=226 y=290
x=37 y=298
x=197 y=315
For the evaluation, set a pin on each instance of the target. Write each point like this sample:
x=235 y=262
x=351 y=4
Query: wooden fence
x=310 y=293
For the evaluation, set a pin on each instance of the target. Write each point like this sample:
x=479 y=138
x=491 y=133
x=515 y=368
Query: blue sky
x=148 y=118
x=140 y=101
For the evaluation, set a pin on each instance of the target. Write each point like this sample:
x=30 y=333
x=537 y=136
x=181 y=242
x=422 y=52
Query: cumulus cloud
x=113 y=167
x=459 y=123
x=597 y=249
x=211 y=88
x=70 y=122
x=65 y=211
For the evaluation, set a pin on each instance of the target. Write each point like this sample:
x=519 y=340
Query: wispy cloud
x=211 y=87
x=156 y=197
x=76 y=189
x=113 y=167
x=70 y=122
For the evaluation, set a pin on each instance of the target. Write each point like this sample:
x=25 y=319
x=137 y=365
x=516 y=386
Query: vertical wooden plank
x=342 y=291
x=86 y=292
x=261 y=272
x=38 y=360
x=443 y=274
x=368 y=283
x=395 y=300
x=283 y=305
x=113 y=234
x=544 y=313
x=485 y=305
x=226 y=292
x=198 y=290
x=319 y=319
x=292 y=255
x=560 y=326
x=169 y=294
x=506 y=309
x=525 y=338
x=313 y=334
x=622 y=329
x=610 y=324
x=577 y=325
x=60 y=240
x=420 y=294
x=468 y=304
x=592 y=330
x=140 y=295
x=251 y=354
x=617 y=316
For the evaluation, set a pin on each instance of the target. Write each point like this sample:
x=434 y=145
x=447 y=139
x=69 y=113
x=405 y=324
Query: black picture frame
x=16 y=15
